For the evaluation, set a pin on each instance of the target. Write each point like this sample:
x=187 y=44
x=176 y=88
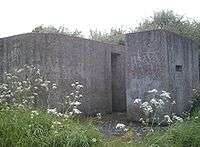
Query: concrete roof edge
x=58 y=34
x=167 y=31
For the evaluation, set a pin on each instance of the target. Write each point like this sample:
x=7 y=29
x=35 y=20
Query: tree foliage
x=115 y=36
x=61 y=30
x=171 y=21
x=167 y=20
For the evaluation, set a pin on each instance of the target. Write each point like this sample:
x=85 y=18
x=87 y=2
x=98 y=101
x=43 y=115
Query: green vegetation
x=23 y=127
x=60 y=30
x=185 y=134
x=167 y=20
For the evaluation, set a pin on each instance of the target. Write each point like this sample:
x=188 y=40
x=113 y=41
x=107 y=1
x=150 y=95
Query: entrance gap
x=118 y=83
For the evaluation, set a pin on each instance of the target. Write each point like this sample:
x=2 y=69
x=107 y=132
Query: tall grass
x=185 y=134
x=22 y=127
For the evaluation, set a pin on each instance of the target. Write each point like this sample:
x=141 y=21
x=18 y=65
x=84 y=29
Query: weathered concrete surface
x=157 y=59
x=182 y=52
x=151 y=64
x=65 y=59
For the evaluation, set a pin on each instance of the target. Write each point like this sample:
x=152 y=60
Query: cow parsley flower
x=121 y=126
x=35 y=112
x=137 y=101
x=165 y=94
x=57 y=123
x=167 y=117
x=94 y=140
x=153 y=91
x=154 y=101
x=99 y=115
x=76 y=111
x=177 y=118
x=53 y=111
x=76 y=103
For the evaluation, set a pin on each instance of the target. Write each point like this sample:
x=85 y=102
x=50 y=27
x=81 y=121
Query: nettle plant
x=156 y=108
x=26 y=86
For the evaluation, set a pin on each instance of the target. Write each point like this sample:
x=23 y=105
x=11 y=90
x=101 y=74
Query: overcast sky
x=21 y=16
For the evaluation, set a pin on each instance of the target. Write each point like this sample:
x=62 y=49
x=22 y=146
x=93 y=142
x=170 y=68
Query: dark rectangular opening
x=179 y=68
x=118 y=83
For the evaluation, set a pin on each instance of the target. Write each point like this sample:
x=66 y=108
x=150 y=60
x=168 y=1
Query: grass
x=185 y=134
x=22 y=127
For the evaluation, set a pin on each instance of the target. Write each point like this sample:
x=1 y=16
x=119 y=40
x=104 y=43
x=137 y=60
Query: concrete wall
x=65 y=59
x=113 y=76
x=182 y=52
x=151 y=64
x=146 y=66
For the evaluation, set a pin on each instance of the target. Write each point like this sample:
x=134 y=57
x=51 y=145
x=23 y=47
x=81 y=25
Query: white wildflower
x=145 y=104
x=153 y=91
x=24 y=82
x=53 y=111
x=38 y=71
x=167 y=117
x=173 y=102
x=99 y=115
x=161 y=102
x=20 y=70
x=154 y=102
x=177 y=118
x=120 y=126
x=146 y=107
x=76 y=103
x=38 y=80
x=32 y=115
x=125 y=129
x=94 y=140
x=54 y=87
x=35 y=112
x=165 y=94
x=24 y=101
x=137 y=101
x=79 y=86
x=35 y=94
x=35 y=88
x=76 y=111
x=1 y=96
x=31 y=97
x=57 y=123
x=72 y=84
x=65 y=116
x=59 y=114
x=72 y=93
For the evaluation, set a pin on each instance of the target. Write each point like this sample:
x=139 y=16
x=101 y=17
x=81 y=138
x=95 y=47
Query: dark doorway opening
x=118 y=83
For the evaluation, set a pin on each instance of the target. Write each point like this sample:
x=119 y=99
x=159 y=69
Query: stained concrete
x=152 y=62
x=64 y=59
x=113 y=76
